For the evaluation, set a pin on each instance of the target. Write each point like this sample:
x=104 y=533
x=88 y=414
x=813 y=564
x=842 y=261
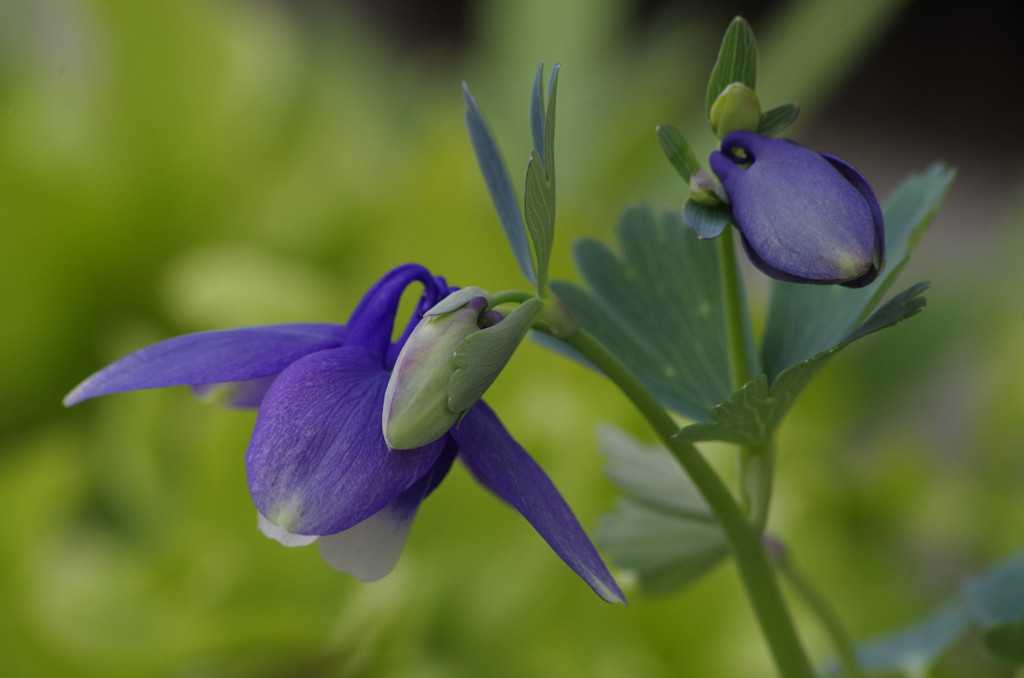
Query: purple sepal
x=317 y=461
x=211 y=357
x=804 y=217
x=370 y=549
x=241 y=394
x=491 y=453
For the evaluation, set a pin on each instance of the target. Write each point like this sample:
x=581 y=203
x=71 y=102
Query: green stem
x=825 y=614
x=509 y=297
x=745 y=541
x=757 y=471
x=739 y=365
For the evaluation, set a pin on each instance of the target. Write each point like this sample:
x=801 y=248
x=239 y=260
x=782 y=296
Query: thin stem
x=739 y=364
x=746 y=543
x=757 y=472
x=509 y=297
x=826 y=615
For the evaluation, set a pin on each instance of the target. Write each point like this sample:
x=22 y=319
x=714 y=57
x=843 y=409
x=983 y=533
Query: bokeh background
x=169 y=166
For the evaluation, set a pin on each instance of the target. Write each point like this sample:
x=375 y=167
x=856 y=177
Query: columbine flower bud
x=805 y=217
x=416 y=401
x=737 y=107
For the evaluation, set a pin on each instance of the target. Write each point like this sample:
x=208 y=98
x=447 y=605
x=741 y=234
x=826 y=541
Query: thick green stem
x=825 y=614
x=745 y=541
x=732 y=298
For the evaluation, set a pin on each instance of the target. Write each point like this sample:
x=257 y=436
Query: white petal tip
x=278 y=533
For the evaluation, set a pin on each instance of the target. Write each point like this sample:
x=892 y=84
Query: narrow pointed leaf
x=774 y=120
x=750 y=417
x=678 y=151
x=482 y=355
x=737 y=60
x=549 y=128
x=537 y=112
x=804 y=320
x=540 y=216
x=706 y=222
x=658 y=308
x=495 y=173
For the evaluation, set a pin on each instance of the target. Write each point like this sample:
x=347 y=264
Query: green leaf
x=804 y=320
x=678 y=152
x=540 y=216
x=774 y=120
x=737 y=60
x=706 y=222
x=913 y=649
x=664 y=532
x=482 y=356
x=996 y=598
x=495 y=173
x=549 y=126
x=537 y=117
x=750 y=417
x=658 y=308
x=650 y=475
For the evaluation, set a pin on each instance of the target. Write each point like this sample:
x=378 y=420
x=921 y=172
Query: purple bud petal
x=804 y=217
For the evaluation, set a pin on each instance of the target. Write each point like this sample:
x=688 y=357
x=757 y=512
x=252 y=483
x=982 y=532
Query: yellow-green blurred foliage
x=169 y=166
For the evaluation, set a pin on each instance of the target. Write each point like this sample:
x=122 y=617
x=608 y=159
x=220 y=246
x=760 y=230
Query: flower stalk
x=745 y=541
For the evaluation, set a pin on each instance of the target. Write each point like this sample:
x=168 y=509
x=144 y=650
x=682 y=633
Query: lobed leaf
x=664 y=531
x=913 y=649
x=804 y=320
x=658 y=308
x=752 y=414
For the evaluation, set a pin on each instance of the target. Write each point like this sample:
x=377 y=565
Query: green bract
x=416 y=401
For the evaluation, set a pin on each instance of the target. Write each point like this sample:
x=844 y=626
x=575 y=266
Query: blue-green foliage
x=663 y=531
x=658 y=307
x=495 y=173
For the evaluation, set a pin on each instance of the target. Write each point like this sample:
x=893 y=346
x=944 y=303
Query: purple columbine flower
x=318 y=466
x=805 y=217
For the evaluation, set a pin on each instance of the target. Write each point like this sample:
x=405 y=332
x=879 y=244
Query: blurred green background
x=169 y=166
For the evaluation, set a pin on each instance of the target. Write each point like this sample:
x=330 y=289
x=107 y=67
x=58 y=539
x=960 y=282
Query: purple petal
x=491 y=453
x=211 y=357
x=369 y=550
x=797 y=211
x=317 y=462
x=372 y=323
x=858 y=181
